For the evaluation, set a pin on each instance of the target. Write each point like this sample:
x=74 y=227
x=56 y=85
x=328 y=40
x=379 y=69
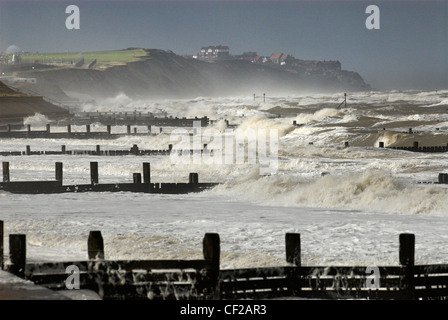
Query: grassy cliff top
x=103 y=59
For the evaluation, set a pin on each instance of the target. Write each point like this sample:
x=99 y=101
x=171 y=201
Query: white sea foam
x=36 y=120
x=349 y=204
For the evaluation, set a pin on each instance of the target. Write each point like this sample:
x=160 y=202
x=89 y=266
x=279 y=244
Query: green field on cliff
x=103 y=58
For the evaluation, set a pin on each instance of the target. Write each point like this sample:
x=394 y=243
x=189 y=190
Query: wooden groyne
x=417 y=148
x=203 y=279
x=69 y=134
x=140 y=183
x=99 y=151
x=152 y=128
x=133 y=118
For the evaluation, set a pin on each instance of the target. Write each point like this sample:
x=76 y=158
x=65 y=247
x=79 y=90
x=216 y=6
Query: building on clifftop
x=219 y=52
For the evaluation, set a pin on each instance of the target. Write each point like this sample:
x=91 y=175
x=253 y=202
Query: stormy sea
x=322 y=167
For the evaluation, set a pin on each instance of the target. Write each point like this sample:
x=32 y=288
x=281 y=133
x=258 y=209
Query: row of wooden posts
x=416 y=148
x=141 y=183
x=204 y=279
x=88 y=133
x=93 y=173
x=134 y=150
x=134 y=119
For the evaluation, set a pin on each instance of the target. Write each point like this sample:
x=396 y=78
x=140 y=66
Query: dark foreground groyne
x=203 y=279
x=138 y=185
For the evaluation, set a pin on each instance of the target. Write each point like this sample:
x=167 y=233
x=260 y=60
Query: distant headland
x=154 y=73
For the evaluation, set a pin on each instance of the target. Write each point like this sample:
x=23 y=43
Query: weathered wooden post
x=94 y=173
x=415 y=146
x=146 y=172
x=293 y=248
x=17 y=254
x=95 y=245
x=137 y=178
x=88 y=128
x=69 y=129
x=134 y=150
x=193 y=178
x=63 y=149
x=211 y=249
x=48 y=128
x=98 y=149
x=1 y=245
x=109 y=129
x=28 y=128
x=293 y=255
x=5 y=168
x=149 y=129
x=406 y=257
x=58 y=172
x=28 y=150
x=129 y=129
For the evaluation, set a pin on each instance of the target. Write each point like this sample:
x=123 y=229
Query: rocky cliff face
x=164 y=74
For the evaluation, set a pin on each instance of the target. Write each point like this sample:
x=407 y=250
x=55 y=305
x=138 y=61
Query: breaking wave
x=37 y=120
x=372 y=190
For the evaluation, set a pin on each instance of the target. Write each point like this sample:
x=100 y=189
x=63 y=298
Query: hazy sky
x=409 y=51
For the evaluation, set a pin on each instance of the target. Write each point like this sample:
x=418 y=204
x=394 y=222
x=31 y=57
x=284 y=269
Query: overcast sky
x=409 y=51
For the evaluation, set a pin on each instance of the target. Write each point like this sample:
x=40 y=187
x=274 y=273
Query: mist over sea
x=348 y=202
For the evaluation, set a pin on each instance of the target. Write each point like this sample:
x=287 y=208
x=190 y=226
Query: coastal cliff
x=164 y=74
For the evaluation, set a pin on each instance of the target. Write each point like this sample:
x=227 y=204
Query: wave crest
x=371 y=190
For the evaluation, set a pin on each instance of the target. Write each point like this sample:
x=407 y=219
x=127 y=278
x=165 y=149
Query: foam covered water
x=349 y=203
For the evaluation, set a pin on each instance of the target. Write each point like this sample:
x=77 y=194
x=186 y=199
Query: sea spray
x=319 y=115
x=388 y=138
x=36 y=120
x=262 y=122
x=373 y=190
